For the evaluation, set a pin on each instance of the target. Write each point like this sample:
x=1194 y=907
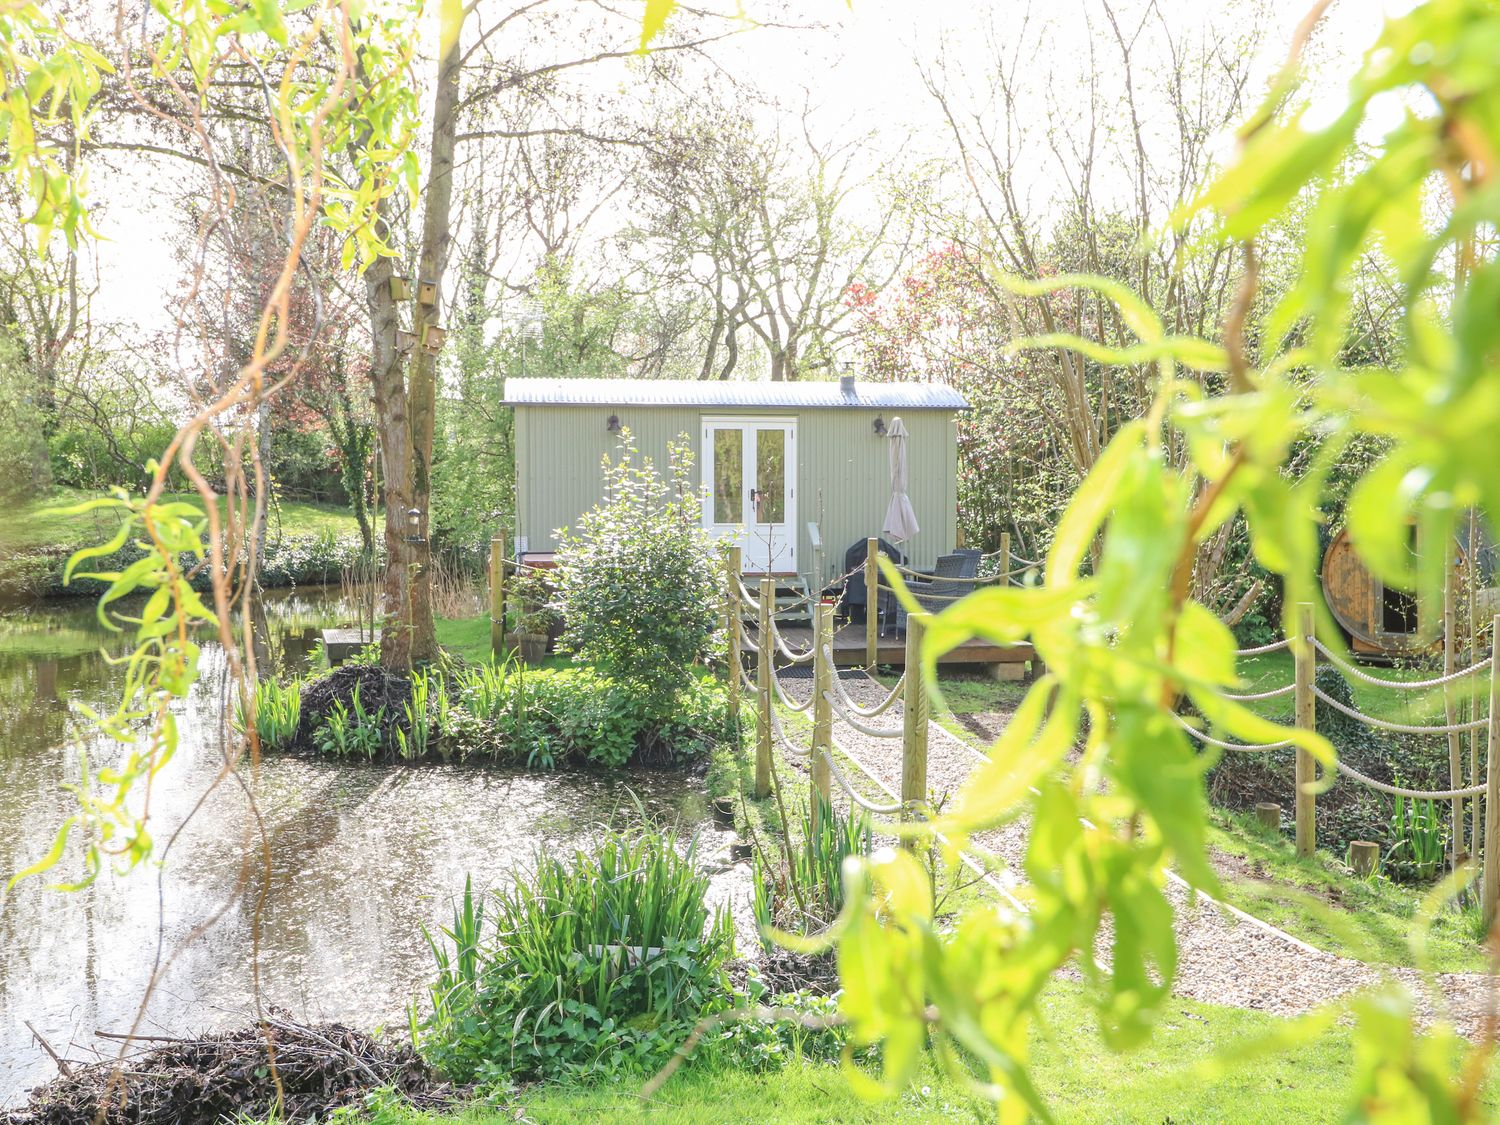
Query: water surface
x=361 y=857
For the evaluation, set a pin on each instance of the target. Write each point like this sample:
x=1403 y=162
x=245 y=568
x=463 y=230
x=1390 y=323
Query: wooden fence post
x=872 y=599
x=1492 y=789
x=1306 y=657
x=1006 y=580
x=822 y=743
x=733 y=615
x=1450 y=715
x=916 y=712
x=497 y=594
x=763 y=673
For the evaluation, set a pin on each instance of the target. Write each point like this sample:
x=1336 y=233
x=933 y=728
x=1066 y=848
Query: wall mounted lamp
x=613 y=425
x=879 y=426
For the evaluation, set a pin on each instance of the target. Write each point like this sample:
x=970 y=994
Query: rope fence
x=830 y=701
x=786 y=700
x=848 y=701
x=1258 y=650
x=1399 y=791
x=859 y=724
x=1397 y=728
x=1398 y=685
x=1251 y=697
x=786 y=650
x=1244 y=747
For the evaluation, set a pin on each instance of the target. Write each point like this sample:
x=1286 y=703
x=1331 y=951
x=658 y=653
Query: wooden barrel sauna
x=1380 y=621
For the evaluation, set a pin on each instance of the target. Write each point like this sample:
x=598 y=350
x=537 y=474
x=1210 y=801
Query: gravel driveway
x=1224 y=955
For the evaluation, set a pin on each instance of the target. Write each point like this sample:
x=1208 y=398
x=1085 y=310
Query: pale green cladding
x=843 y=471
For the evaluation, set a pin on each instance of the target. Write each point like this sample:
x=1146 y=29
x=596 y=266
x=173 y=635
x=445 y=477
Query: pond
x=362 y=857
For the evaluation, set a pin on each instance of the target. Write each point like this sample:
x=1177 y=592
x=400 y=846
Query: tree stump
x=1364 y=858
x=1268 y=813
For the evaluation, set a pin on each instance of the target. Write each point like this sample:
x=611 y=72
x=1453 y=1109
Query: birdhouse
x=400 y=288
x=432 y=338
x=426 y=292
x=405 y=340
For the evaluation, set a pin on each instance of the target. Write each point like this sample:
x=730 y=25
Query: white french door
x=750 y=489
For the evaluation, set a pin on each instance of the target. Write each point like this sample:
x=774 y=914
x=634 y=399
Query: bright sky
x=862 y=74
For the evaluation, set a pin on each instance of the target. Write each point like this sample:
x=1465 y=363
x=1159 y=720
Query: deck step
x=792 y=593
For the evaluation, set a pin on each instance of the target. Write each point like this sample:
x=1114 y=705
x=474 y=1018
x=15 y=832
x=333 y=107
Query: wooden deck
x=849 y=648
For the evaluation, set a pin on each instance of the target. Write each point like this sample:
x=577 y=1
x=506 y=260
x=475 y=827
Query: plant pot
x=533 y=647
x=741 y=850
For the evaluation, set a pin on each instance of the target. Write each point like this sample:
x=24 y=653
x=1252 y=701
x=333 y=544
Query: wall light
x=613 y=425
x=879 y=426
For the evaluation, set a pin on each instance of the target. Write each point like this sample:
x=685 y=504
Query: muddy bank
x=310 y=1071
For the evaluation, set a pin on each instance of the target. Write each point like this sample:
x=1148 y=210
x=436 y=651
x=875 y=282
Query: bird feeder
x=400 y=288
x=414 y=526
x=405 y=341
x=426 y=292
x=432 y=338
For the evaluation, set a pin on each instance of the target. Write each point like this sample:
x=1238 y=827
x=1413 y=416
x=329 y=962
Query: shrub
x=639 y=582
x=584 y=967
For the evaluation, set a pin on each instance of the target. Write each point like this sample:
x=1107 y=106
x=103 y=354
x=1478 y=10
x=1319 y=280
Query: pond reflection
x=361 y=857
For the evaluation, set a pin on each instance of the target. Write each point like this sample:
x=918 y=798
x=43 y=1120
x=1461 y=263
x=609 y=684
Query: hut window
x=729 y=476
x=1398 y=611
x=770 y=473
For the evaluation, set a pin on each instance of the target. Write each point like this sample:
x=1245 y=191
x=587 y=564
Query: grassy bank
x=36 y=525
x=1198 y=1067
x=307 y=542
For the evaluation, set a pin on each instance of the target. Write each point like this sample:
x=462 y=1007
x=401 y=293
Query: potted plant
x=535 y=616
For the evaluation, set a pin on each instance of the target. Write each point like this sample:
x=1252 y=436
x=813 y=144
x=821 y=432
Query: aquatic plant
x=581 y=966
x=499 y=712
x=1419 y=838
x=278 y=712
x=351 y=730
x=801 y=887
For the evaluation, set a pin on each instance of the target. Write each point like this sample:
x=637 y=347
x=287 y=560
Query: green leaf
x=654 y=21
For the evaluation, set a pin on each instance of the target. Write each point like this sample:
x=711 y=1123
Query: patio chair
x=937 y=595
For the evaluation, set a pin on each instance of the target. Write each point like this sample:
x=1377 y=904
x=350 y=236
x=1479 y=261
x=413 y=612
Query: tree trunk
x=389 y=390
x=436 y=239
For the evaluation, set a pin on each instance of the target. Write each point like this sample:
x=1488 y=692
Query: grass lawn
x=1274 y=669
x=965 y=693
x=35 y=525
x=1314 y=899
x=1173 y=1078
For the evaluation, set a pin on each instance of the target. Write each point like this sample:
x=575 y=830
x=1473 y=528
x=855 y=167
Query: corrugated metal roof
x=799 y=395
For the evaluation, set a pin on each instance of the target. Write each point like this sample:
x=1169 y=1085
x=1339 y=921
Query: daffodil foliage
x=1124 y=645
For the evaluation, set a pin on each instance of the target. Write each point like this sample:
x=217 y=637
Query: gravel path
x=1224 y=956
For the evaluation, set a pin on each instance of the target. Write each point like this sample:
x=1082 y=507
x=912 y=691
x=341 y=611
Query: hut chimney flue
x=846 y=384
